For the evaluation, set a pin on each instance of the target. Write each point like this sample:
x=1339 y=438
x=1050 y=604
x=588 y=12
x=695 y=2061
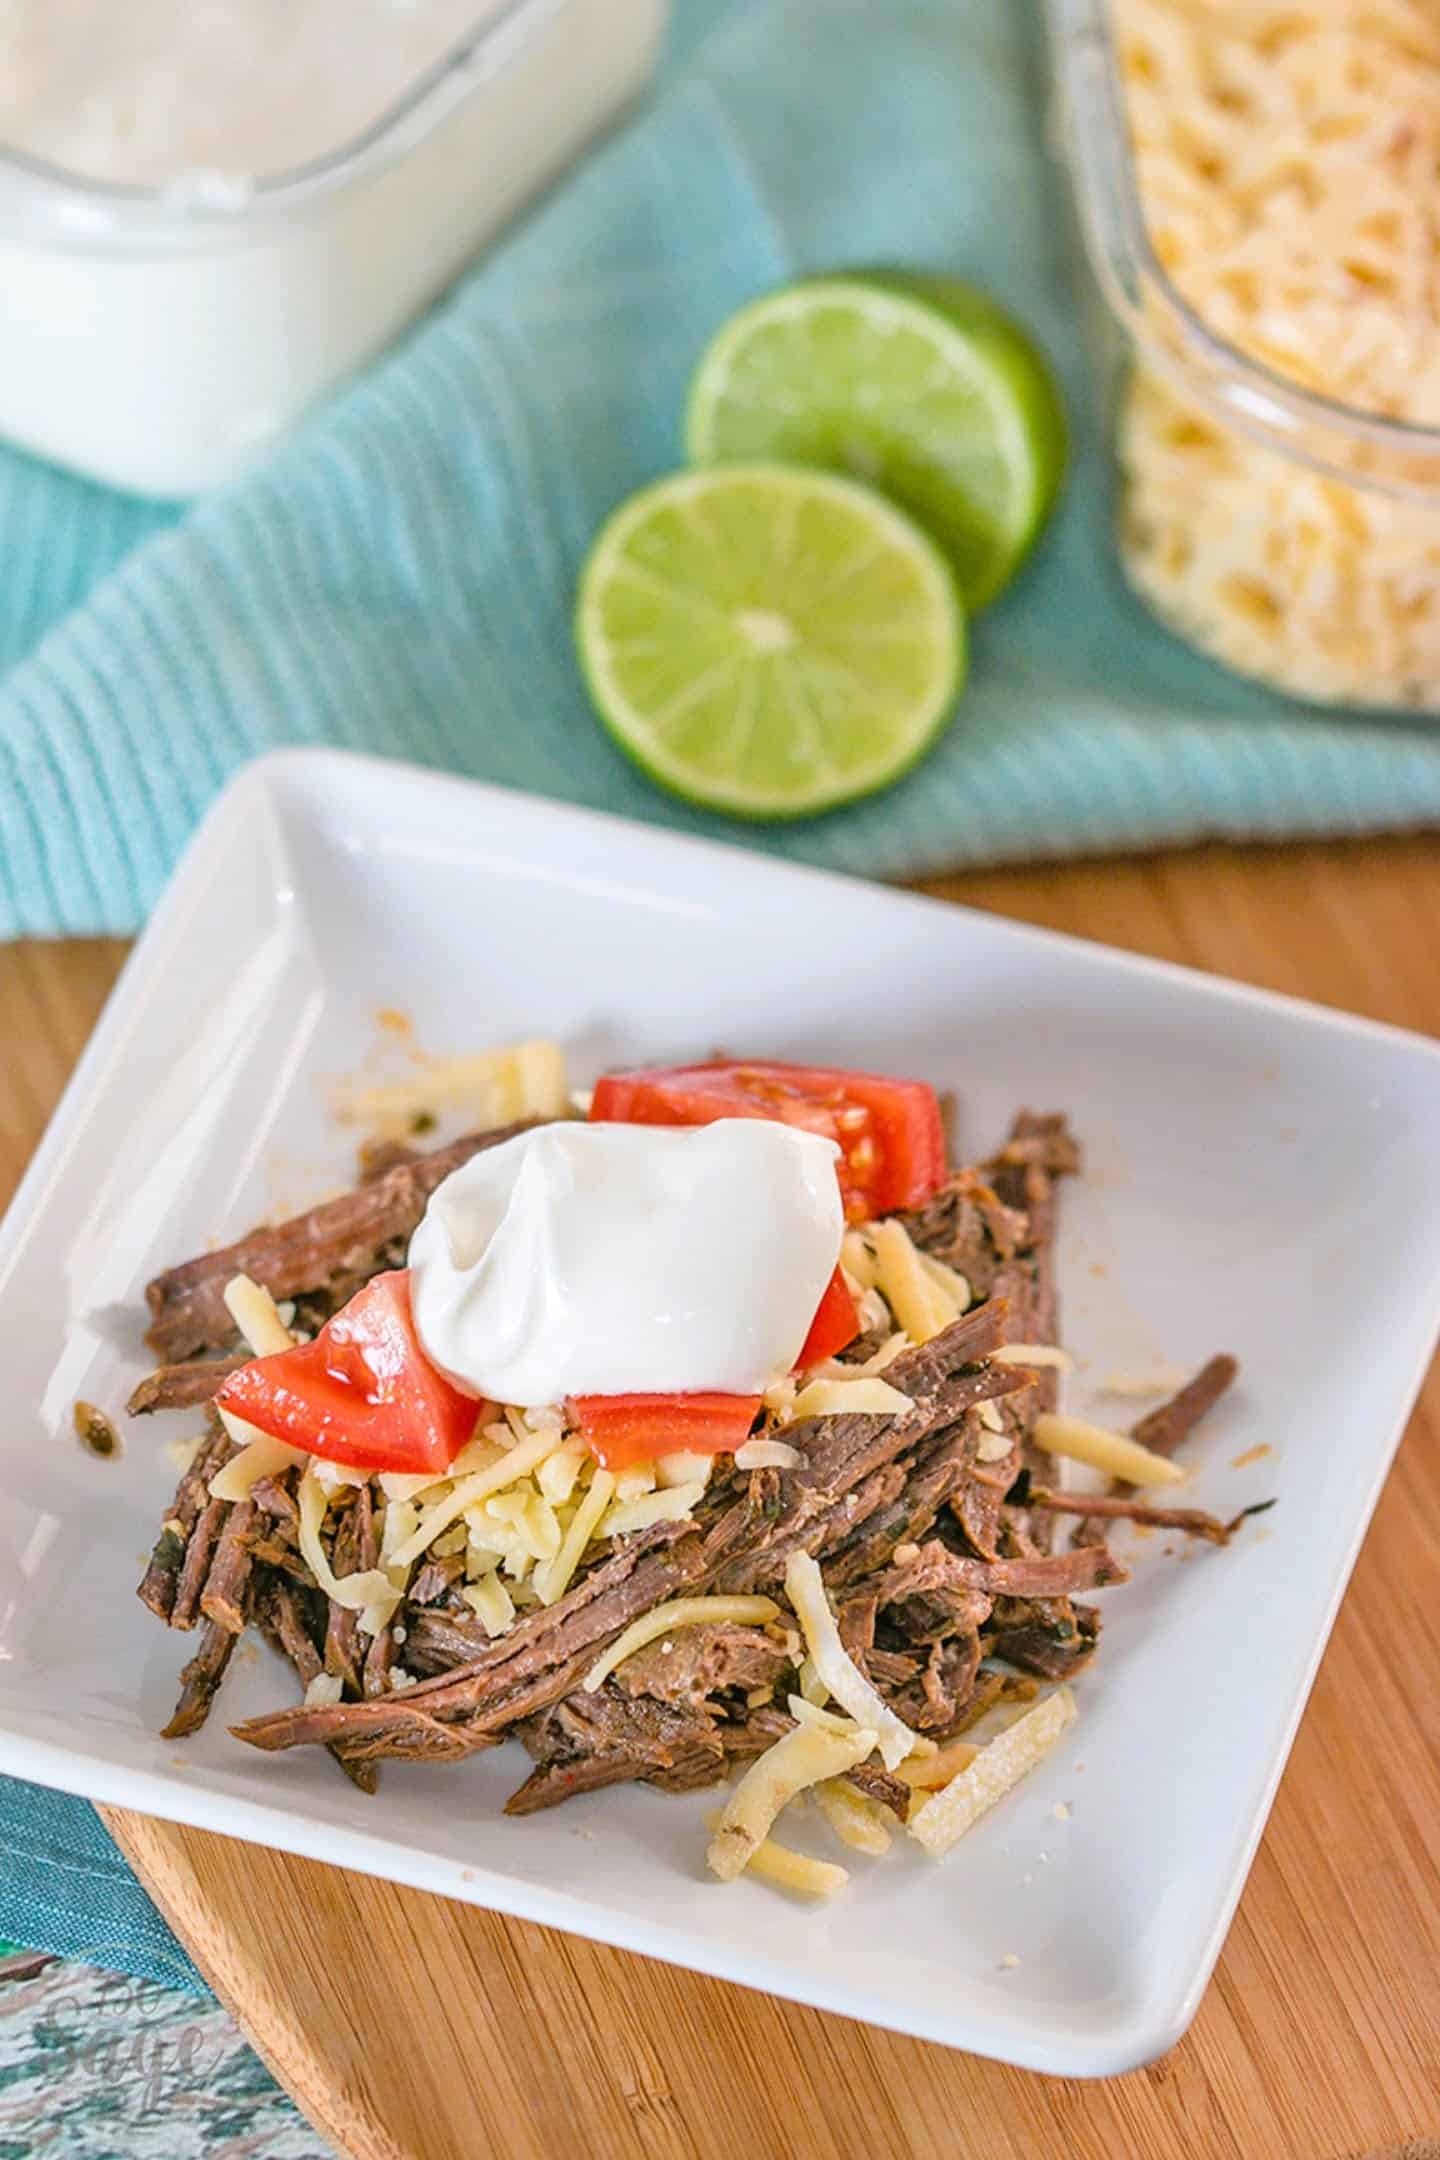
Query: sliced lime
x=918 y=384
x=769 y=641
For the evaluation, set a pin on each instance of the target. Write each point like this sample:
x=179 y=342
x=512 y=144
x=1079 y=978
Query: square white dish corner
x=1236 y=1145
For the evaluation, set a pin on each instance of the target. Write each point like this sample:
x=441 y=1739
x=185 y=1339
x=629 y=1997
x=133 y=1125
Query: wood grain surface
x=415 y=2029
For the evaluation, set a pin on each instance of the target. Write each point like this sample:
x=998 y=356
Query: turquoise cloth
x=398 y=577
x=64 y=1888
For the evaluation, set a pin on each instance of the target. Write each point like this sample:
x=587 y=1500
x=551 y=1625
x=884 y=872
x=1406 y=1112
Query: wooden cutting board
x=415 y=2029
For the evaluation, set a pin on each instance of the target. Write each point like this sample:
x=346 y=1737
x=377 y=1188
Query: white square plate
x=1241 y=1150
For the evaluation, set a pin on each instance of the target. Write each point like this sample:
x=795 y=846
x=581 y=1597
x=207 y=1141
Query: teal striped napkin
x=398 y=577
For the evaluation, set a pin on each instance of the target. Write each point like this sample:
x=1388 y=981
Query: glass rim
x=49 y=203
x=1318 y=430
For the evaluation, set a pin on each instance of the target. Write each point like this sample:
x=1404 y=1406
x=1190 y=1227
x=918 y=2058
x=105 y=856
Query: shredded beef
x=199 y=1679
x=1163 y=1430
x=335 y=1243
x=1040 y=1639
x=185 y=1386
x=223 y=1598
x=161 y=1582
x=602 y=1739
x=932 y=1527
x=746 y=1527
x=697 y=1662
x=936 y=1572
x=1110 y=1507
x=968 y=1227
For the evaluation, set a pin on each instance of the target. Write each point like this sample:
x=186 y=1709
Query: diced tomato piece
x=362 y=1393
x=889 y=1132
x=836 y=1323
x=623 y=1429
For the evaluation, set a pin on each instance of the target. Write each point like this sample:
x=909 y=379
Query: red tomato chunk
x=889 y=1132
x=362 y=1393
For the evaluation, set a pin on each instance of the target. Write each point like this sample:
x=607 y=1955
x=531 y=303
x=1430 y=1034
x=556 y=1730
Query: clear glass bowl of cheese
x=1255 y=186
x=211 y=214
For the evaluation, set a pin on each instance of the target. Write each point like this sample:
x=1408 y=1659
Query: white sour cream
x=627 y=1259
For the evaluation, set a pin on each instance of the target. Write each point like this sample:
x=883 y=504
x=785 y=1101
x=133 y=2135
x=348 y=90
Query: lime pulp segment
x=769 y=641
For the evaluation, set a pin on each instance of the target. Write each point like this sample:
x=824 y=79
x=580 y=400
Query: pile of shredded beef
x=934 y=1528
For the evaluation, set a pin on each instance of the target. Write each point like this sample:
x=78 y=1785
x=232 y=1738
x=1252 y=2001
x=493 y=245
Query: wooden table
x=1320 y=2036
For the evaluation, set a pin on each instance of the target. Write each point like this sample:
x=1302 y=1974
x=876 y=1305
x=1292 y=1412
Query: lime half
x=918 y=384
x=769 y=641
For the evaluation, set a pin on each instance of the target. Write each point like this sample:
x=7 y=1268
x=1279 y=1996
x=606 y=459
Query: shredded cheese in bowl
x=1286 y=158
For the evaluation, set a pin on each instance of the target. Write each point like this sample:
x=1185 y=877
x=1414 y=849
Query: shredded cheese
x=806 y=1711
x=926 y=1773
x=948 y=1814
x=468 y=1490
x=806 y=1756
x=494 y=1087
x=889 y=1350
x=779 y=1398
x=402 y=1485
x=1115 y=1453
x=952 y=1285
x=678 y=1613
x=858 y=1261
x=844 y=1398
x=258 y=1458
x=257 y=1316
x=918 y=1302
x=683 y=1467
x=667 y=1506
x=857 y=1821
x=1144 y=1386
x=790 y=1870
x=805 y=1588
x=552 y=1580
x=812 y=1688
x=764 y=1454
x=369 y=1590
x=491 y=1602
x=1034 y=1353
x=1286 y=156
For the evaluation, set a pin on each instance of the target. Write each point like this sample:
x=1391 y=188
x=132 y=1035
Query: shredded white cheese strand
x=845 y=1398
x=790 y=1870
x=369 y=1589
x=948 y=1814
x=857 y=1821
x=805 y=1588
x=552 y=1580
x=920 y=1304
x=1115 y=1453
x=258 y=1458
x=257 y=1316
x=805 y=1757
x=492 y=1087
x=1034 y=1353
x=468 y=1490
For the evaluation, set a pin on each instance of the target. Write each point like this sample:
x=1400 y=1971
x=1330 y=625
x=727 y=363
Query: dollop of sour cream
x=627 y=1259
